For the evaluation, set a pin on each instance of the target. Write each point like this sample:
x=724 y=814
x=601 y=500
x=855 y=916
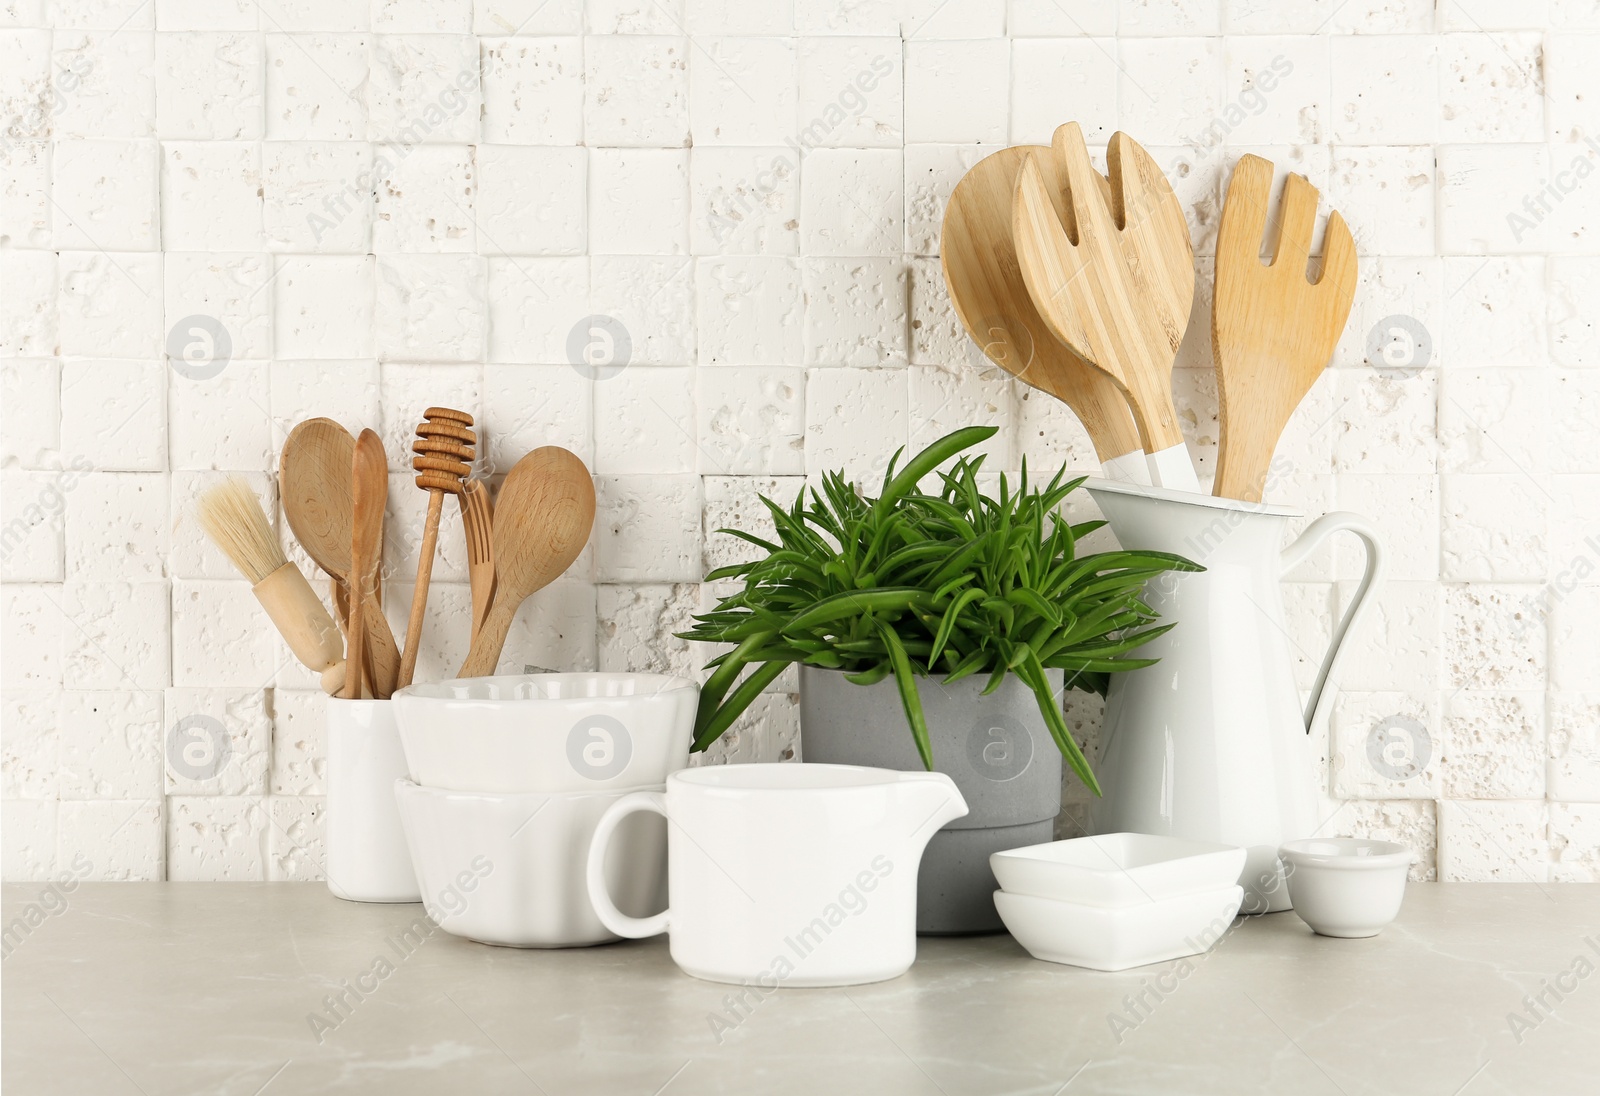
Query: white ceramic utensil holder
x=368 y=860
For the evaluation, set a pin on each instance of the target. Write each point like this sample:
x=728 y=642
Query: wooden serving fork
x=1113 y=279
x=1272 y=328
x=477 y=520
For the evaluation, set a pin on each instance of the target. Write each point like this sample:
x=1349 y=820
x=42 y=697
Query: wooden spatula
x=542 y=520
x=369 y=491
x=314 y=486
x=1113 y=280
x=1272 y=328
x=990 y=297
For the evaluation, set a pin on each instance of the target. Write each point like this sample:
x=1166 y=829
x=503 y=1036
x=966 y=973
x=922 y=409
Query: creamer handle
x=1371 y=578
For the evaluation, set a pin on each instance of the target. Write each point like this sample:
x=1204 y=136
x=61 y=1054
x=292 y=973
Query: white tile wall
x=360 y=208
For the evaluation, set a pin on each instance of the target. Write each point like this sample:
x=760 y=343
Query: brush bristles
x=231 y=516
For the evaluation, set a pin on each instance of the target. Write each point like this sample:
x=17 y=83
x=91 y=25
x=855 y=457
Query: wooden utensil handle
x=298 y=614
x=383 y=652
x=484 y=657
x=356 y=644
x=419 y=593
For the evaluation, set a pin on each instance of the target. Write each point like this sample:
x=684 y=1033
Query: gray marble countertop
x=212 y=988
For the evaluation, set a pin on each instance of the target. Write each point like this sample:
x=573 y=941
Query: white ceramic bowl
x=1346 y=886
x=547 y=732
x=1117 y=869
x=1119 y=937
x=509 y=869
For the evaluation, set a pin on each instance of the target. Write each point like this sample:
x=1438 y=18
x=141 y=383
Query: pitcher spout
x=927 y=801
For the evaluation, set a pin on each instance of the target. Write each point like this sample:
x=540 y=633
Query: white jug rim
x=779 y=776
x=1167 y=494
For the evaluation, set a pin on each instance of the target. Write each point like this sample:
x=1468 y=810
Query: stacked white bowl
x=1118 y=900
x=508 y=778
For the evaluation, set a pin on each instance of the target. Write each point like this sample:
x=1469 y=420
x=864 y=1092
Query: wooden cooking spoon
x=314 y=484
x=1113 y=280
x=369 y=490
x=986 y=286
x=542 y=520
x=1273 y=329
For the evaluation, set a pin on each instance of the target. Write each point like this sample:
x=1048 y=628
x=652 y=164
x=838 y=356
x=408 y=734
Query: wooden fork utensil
x=1272 y=327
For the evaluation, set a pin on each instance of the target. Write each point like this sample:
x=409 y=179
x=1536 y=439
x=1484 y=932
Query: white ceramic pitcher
x=1211 y=742
x=786 y=874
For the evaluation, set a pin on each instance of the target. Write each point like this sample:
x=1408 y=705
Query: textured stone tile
x=532 y=90
x=638 y=201
x=1503 y=841
x=31 y=432
x=636 y=91
x=1494 y=529
x=296 y=851
x=751 y=421
x=120 y=840
x=110 y=307
x=855 y=312
x=767 y=731
x=749 y=311
x=1494 y=746
x=30 y=751
x=1386 y=746
x=851 y=93
x=647 y=528
x=743 y=91
x=299 y=743
x=1494 y=637
x=852 y=202
x=111 y=744
x=636 y=626
x=1412 y=822
x=431 y=308
x=744 y=201
x=221 y=839
x=516 y=219
x=30 y=846
x=1574 y=842
x=957 y=91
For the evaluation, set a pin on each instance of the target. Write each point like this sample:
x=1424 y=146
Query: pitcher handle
x=595 y=874
x=1371 y=578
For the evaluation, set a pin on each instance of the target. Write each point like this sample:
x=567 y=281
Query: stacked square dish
x=1118 y=900
x=509 y=777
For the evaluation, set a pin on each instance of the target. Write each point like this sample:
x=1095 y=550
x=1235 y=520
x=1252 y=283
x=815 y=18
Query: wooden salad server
x=1112 y=275
x=990 y=297
x=1272 y=327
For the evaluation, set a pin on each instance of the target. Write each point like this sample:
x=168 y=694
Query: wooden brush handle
x=298 y=614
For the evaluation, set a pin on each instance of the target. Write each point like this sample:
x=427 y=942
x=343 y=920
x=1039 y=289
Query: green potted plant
x=956 y=616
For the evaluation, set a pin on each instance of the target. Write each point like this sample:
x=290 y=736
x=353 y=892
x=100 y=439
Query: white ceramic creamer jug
x=1211 y=742
x=786 y=874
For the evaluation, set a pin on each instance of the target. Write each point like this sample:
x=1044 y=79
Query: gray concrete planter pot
x=997 y=750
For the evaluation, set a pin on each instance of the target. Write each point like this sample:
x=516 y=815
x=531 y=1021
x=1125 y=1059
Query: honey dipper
x=444 y=459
